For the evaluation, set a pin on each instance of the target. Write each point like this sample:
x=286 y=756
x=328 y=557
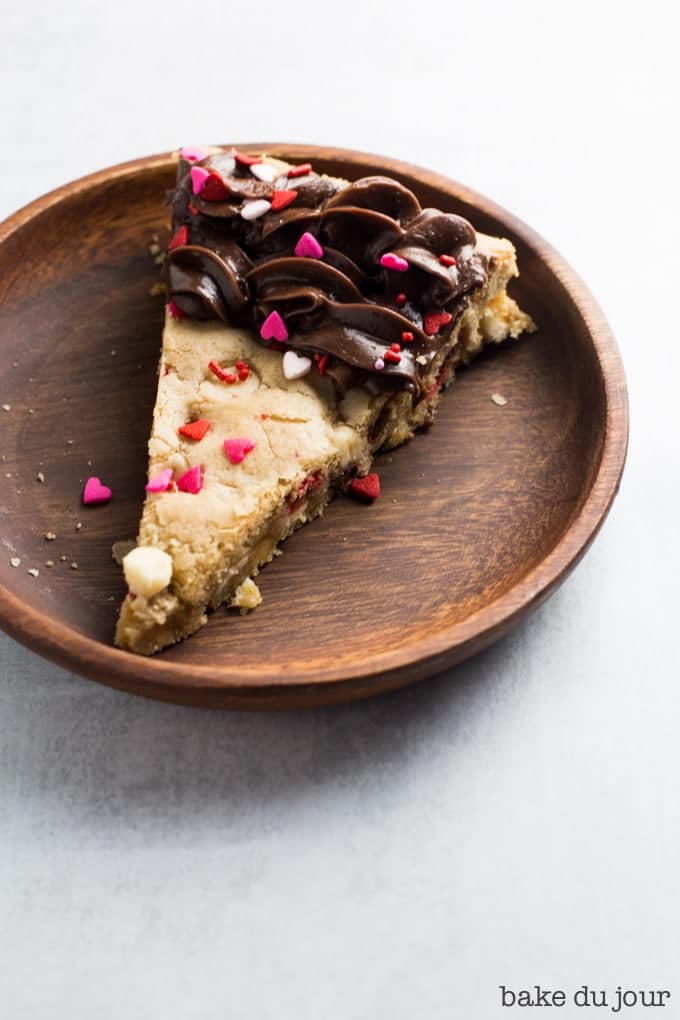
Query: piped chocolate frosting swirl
x=378 y=287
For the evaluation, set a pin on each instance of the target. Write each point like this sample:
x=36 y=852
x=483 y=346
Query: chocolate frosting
x=345 y=304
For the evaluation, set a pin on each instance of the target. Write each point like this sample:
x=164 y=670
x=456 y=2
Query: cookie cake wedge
x=310 y=322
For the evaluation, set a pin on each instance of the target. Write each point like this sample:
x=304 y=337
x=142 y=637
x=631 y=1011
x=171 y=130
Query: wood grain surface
x=480 y=517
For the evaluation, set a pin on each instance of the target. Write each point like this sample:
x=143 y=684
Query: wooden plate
x=479 y=519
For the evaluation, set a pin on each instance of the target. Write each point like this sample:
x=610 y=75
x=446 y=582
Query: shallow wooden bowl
x=480 y=518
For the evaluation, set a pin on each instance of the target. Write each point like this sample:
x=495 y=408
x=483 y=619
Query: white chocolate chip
x=33 y=571
x=15 y=562
x=147 y=570
x=295 y=365
x=264 y=172
x=499 y=399
x=253 y=210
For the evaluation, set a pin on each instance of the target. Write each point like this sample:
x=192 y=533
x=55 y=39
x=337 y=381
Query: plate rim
x=212 y=686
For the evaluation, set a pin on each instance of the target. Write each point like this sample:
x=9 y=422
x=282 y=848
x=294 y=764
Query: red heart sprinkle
x=392 y=356
x=282 y=199
x=322 y=363
x=245 y=160
x=300 y=171
x=400 y=300
x=433 y=321
x=395 y=347
x=175 y=311
x=195 y=429
x=407 y=337
x=447 y=260
x=365 y=489
x=214 y=189
x=179 y=238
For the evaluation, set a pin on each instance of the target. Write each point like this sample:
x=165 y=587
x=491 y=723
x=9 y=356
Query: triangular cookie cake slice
x=310 y=322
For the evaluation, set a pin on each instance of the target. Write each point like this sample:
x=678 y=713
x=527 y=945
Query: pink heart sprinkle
x=274 y=328
x=191 y=481
x=160 y=482
x=378 y=364
x=95 y=493
x=309 y=247
x=199 y=175
x=193 y=153
x=236 y=449
x=391 y=261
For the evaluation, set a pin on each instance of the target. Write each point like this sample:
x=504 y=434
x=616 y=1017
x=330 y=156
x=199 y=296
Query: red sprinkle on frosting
x=322 y=363
x=179 y=238
x=227 y=377
x=400 y=300
x=407 y=337
x=195 y=429
x=433 y=321
x=447 y=260
x=175 y=311
x=366 y=489
x=214 y=189
x=245 y=160
x=393 y=356
x=300 y=171
x=282 y=199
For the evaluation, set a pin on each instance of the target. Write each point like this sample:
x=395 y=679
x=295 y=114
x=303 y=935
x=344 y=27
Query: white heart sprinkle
x=295 y=365
x=253 y=210
x=264 y=172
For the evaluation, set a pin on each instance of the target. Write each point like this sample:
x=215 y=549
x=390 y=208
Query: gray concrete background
x=516 y=821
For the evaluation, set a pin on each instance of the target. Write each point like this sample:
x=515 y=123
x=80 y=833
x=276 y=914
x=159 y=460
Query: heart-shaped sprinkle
x=274 y=328
x=282 y=199
x=175 y=311
x=400 y=300
x=378 y=364
x=308 y=247
x=407 y=337
x=193 y=153
x=295 y=365
x=391 y=261
x=245 y=160
x=195 y=429
x=199 y=175
x=160 y=482
x=236 y=449
x=264 y=172
x=179 y=238
x=300 y=171
x=365 y=489
x=214 y=189
x=392 y=356
x=253 y=210
x=433 y=322
x=95 y=493
x=191 y=481
x=447 y=260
